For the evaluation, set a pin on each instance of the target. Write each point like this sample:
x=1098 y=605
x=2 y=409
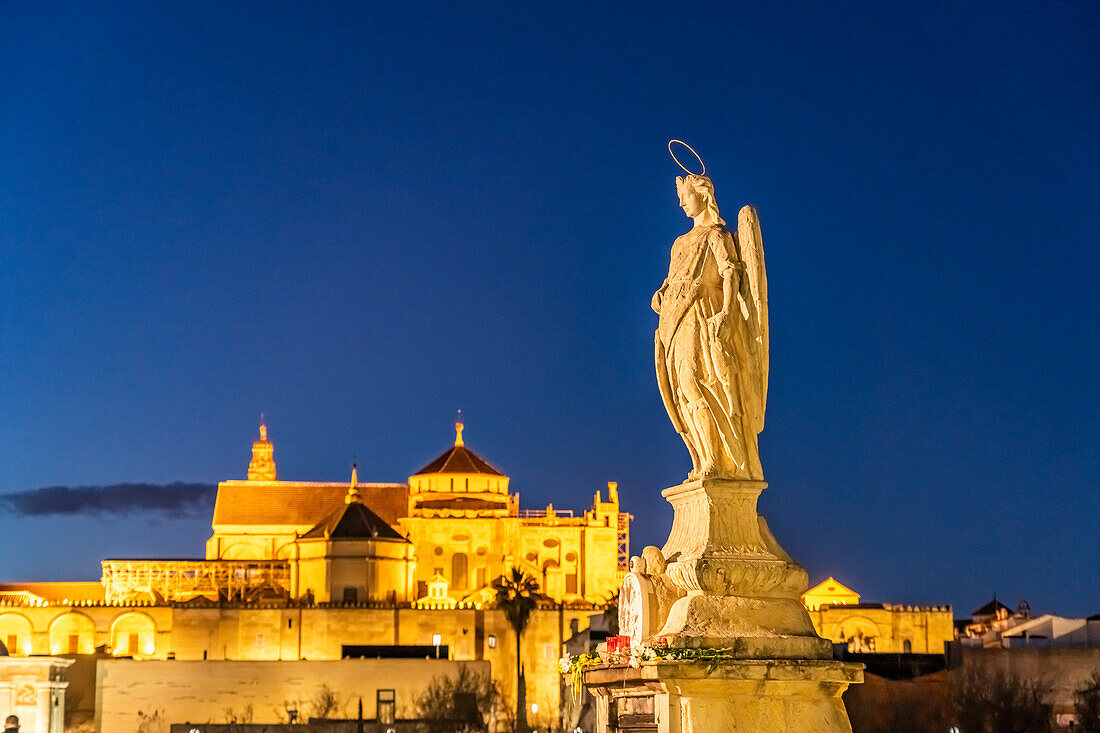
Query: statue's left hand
x=718 y=323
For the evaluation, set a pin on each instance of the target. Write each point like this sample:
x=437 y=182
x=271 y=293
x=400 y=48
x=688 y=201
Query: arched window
x=72 y=633
x=458 y=570
x=133 y=634
x=15 y=633
x=907 y=647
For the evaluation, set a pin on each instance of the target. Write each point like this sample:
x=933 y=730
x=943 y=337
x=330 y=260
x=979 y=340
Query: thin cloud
x=176 y=500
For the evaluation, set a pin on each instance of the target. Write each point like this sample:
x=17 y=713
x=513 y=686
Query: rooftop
x=459 y=459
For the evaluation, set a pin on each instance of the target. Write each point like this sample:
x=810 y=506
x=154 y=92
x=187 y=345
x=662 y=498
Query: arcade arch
x=72 y=633
x=16 y=632
x=133 y=634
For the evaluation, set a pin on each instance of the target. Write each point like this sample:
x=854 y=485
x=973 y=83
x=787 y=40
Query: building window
x=132 y=647
x=907 y=647
x=458 y=570
x=479 y=573
x=259 y=641
x=386 y=707
x=74 y=643
x=571 y=583
x=13 y=644
x=351 y=595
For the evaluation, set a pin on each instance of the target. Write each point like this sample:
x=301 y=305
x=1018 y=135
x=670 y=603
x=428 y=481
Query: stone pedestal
x=741 y=590
x=722 y=583
x=742 y=696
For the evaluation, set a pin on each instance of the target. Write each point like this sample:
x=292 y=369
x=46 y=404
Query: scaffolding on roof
x=127 y=581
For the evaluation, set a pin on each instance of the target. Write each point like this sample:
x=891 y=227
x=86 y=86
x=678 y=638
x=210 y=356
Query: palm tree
x=517 y=594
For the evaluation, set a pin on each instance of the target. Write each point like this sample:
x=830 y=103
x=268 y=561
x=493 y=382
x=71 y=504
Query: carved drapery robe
x=705 y=368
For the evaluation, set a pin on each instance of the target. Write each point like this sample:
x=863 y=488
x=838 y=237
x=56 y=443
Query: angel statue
x=712 y=336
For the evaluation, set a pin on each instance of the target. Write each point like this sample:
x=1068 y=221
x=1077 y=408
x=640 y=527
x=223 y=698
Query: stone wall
x=312 y=633
x=151 y=695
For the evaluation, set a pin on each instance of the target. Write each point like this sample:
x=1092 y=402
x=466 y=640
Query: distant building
x=995 y=625
x=829 y=592
x=988 y=622
x=321 y=571
x=1048 y=631
x=838 y=615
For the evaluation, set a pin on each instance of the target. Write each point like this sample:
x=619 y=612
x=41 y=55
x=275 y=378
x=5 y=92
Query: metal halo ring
x=701 y=163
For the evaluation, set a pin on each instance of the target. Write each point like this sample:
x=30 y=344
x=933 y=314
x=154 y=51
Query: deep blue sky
x=358 y=220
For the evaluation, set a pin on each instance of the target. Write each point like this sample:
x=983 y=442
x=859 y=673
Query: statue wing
x=751 y=244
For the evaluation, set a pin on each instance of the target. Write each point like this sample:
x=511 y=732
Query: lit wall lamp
x=492 y=641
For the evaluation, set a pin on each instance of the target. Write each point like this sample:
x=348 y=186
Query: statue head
x=696 y=194
x=654 y=561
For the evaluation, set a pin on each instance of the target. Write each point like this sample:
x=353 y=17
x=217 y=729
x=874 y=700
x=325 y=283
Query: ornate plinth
x=721 y=580
x=745 y=696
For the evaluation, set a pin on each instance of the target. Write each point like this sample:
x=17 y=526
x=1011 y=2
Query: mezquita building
x=323 y=571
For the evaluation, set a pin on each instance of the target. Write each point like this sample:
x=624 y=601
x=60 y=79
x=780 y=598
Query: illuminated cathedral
x=299 y=570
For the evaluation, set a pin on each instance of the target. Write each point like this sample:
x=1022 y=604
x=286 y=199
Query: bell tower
x=262 y=466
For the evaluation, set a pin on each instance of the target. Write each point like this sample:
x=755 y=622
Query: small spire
x=354 y=497
x=459 y=426
x=262 y=466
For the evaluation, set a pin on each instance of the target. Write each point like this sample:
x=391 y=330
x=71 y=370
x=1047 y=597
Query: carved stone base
x=748 y=628
x=762 y=696
x=740 y=590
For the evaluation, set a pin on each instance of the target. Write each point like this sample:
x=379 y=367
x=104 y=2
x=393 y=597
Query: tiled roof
x=459 y=459
x=389 y=501
x=300 y=503
x=80 y=591
x=990 y=609
x=353 y=521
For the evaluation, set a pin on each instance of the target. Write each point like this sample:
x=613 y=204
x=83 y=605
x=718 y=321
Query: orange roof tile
x=459 y=459
x=301 y=503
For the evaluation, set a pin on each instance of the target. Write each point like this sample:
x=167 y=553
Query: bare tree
x=151 y=722
x=990 y=700
x=234 y=717
x=286 y=707
x=1088 y=704
x=464 y=703
x=324 y=704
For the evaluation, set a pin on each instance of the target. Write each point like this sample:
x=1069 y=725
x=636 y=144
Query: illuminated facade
x=305 y=570
x=455 y=519
x=838 y=615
